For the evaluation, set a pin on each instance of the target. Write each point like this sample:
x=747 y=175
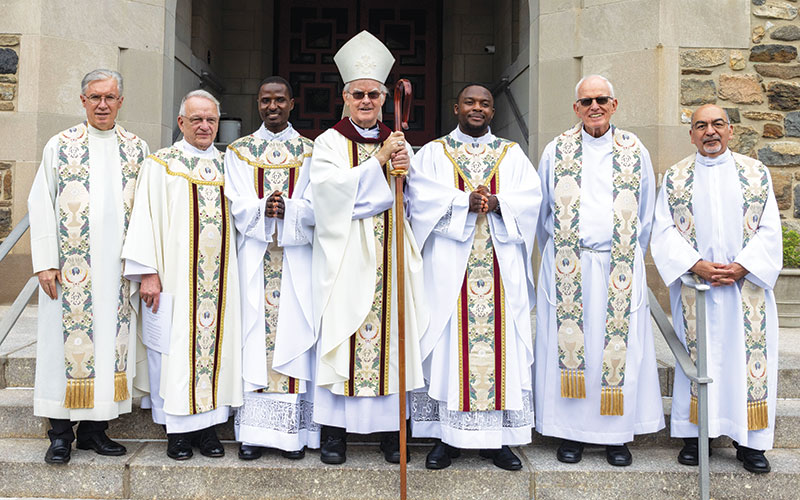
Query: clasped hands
x=719 y=274
x=394 y=149
x=274 y=205
x=481 y=201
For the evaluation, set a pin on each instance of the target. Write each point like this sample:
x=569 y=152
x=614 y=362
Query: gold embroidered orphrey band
x=627 y=168
x=679 y=182
x=75 y=263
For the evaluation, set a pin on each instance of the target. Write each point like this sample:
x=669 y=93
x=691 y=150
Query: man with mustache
x=474 y=202
x=596 y=379
x=181 y=243
x=80 y=204
x=717 y=220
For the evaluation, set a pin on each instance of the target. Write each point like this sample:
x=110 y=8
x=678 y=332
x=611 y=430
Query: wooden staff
x=402 y=108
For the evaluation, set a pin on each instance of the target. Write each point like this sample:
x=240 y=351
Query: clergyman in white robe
x=445 y=230
x=580 y=419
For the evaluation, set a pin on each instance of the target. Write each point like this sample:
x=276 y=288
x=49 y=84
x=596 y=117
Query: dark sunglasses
x=601 y=101
x=358 y=95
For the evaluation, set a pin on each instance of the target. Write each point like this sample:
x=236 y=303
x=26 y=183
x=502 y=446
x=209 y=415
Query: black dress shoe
x=294 y=455
x=503 y=458
x=209 y=444
x=390 y=446
x=179 y=446
x=58 y=452
x=101 y=444
x=619 y=456
x=570 y=452
x=440 y=456
x=752 y=460
x=333 y=449
x=247 y=452
x=690 y=452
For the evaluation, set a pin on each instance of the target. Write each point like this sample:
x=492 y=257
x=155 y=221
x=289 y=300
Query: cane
x=402 y=108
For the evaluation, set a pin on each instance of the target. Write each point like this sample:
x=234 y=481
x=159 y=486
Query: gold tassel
x=79 y=393
x=757 y=415
x=573 y=384
x=611 y=401
x=121 y=386
x=693 y=410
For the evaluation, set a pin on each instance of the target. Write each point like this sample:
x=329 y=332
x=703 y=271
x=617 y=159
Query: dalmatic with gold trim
x=355 y=296
x=182 y=228
x=274 y=268
x=477 y=349
x=734 y=220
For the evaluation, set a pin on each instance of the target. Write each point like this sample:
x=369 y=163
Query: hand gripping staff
x=402 y=108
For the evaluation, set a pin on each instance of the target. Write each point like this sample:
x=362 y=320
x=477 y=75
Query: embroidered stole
x=481 y=303
x=75 y=263
x=369 y=345
x=276 y=166
x=679 y=182
x=566 y=236
x=209 y=246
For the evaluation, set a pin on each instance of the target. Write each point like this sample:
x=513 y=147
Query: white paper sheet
x=156 y=326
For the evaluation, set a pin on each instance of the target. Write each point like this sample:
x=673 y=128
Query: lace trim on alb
x=426 y=409
x=444 y=223
x=281 y=416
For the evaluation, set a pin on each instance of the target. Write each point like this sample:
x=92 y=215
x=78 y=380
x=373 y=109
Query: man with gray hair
x=79 y=207
x=596 y=379
x=181 y=248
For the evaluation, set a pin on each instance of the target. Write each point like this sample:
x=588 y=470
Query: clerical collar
x=714 y=162
x=284 y=135
x=102 y=134
x=367 y=133
x=346 y=127
x=210 y=153
x=589 y=139
x=460 y=136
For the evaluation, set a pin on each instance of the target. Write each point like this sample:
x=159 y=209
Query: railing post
x=702 y=391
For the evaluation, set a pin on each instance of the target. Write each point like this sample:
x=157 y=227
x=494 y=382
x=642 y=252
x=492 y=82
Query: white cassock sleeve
x=297 y=226
x=42 y=211
x=249 y=212
x=149 y=220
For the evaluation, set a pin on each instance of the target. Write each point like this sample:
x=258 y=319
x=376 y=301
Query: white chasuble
x=717 y=204
x=275 y=276
x=478 y=349
x=580 y=419
x=182 y=229
x=354 y=276
x=91 y=230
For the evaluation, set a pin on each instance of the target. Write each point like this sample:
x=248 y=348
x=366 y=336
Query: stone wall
x=760 y=90
x=6 y=187
x=9 y=69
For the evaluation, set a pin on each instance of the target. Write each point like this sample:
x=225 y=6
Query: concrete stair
x=146 y=472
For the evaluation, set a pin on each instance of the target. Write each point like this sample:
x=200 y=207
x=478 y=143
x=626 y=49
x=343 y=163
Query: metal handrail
x=697 y=373
x=13 y=314
x=504 y=85
x=14 y=236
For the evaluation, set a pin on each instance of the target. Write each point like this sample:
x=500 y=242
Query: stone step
x=17 y=421
x=146 y=472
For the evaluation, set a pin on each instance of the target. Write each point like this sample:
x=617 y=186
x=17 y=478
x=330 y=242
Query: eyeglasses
x=372 y=94
x=197 y=120
x=601 y=101
x=718 y=124
x=97 y=99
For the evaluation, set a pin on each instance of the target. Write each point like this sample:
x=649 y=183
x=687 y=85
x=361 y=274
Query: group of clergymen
x=275 y=264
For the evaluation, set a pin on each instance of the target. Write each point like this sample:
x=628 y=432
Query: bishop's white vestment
x=355 y=293
x=478 y=347
x=278 y=338
x=82 y=193
x=182 y=229
x=717 y=218
x=565 y=407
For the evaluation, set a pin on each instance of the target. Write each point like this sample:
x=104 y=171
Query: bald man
x=717 y=220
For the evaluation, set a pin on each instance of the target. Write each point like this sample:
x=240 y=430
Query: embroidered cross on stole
x=209 y=249
x=276 y=167
x=679 y=182
x=75 y=263
x=369 y=345
x=481 y=303
x=569 y=298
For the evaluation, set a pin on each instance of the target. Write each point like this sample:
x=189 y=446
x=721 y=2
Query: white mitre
x=364 y=56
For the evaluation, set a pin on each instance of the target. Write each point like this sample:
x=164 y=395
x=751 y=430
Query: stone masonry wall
x=760 y=90
x=6 y=183
x=9 y=68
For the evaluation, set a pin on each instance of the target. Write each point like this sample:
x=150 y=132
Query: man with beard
x=267 y=177
x=717 y=220
x=474 y=202
x=596 y=378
